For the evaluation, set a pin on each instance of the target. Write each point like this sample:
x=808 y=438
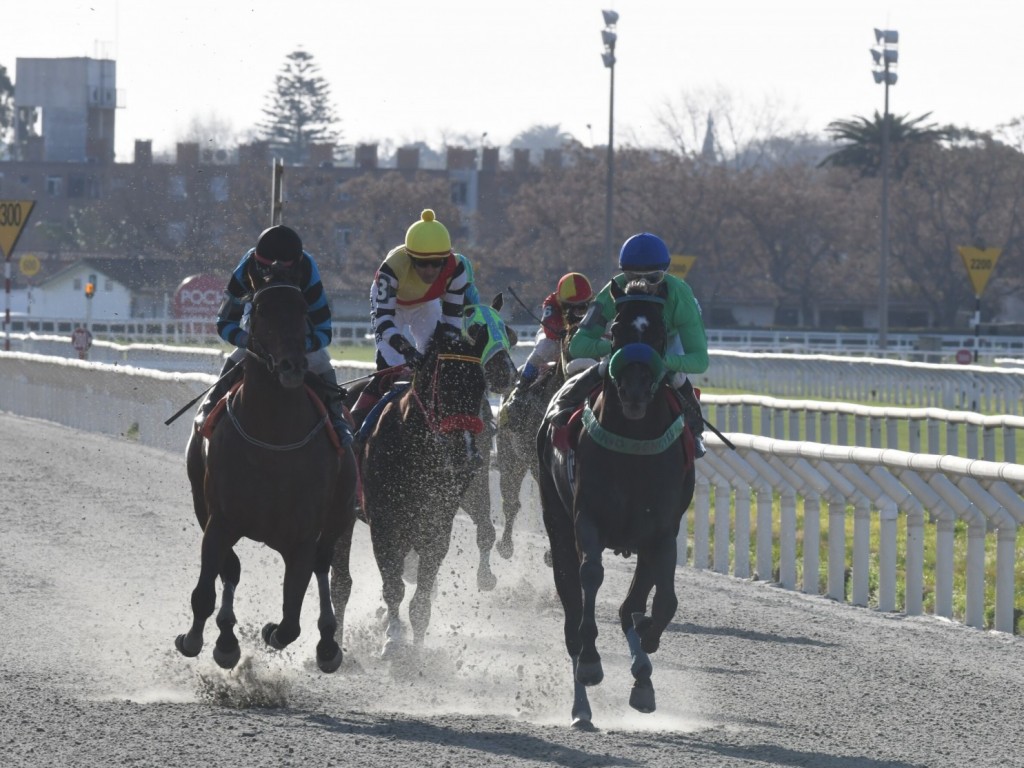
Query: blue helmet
x=644 y=252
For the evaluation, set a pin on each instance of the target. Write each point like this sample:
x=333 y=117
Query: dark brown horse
x=484 y=325
x=625 y=487
x=270 y=473
x=416 y=465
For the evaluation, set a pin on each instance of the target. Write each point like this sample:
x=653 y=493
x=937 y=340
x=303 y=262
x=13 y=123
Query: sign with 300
x=13 y=217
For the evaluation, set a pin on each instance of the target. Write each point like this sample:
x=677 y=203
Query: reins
x=271 y=446
x=459 y=422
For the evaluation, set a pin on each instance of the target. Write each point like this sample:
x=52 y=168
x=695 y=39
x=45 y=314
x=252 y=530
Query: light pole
x=609 y=37
x=885 y=56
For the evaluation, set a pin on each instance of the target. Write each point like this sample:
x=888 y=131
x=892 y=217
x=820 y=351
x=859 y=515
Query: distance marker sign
x=13 y=217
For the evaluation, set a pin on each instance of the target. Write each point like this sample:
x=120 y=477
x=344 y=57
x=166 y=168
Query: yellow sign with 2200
x=979 y=262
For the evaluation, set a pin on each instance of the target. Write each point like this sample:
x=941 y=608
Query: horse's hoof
x=270 y=636
x=583 y=723
x=589 y=672
x=391 y=650
x=548 y=560
x=227 y=659
x=179 y=643
x=641 y=698
x=486 y=581
x=505 y=548
x=329 y=665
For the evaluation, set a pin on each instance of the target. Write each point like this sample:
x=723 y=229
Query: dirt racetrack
x=101 y=551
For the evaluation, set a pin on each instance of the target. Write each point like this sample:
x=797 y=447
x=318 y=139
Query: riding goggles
x=652 y=277
x=576 y=307
x=429 y=263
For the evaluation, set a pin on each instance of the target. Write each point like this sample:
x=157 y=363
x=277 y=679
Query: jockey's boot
x=694 y=417
x=333 y=398
x=367 y=399
x=229 y=374
x=572 y=393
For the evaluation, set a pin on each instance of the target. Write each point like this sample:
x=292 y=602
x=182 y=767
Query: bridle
x=255 y=348
x=458 y=422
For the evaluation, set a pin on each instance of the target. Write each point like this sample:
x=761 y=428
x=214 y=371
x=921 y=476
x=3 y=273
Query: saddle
x=221 y=406
x=566 y=437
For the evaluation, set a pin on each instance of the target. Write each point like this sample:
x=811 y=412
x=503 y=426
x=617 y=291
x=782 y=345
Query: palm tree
x=862 y=147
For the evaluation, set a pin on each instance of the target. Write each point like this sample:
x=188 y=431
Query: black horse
x=624 y=487
x=416 y=465
x=269 y=472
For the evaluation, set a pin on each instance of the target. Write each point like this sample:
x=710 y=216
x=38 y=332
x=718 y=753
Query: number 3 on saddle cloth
x=223 y=406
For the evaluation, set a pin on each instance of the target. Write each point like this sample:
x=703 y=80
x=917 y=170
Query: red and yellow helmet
x=574 y=288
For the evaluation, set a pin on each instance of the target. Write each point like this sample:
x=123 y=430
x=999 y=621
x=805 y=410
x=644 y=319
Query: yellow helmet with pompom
x=427 y=238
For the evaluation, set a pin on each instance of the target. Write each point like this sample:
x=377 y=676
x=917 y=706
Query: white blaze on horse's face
x=641 y=324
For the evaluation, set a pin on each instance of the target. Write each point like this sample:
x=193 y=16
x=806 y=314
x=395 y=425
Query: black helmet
x=279 y=243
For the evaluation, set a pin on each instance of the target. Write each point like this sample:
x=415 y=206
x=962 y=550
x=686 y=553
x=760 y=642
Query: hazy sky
x=408 y=71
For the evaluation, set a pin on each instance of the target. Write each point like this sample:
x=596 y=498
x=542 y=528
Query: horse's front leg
x=476 y=501
x=390 y=551
x=432 y=549
x=298 y=569
x=512 y=470
x=204 y=596
x=632 y=617
x=226 y=652
x=589 y=670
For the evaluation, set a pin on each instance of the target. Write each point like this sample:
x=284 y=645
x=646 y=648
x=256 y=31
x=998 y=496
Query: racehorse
x=624 y=487
x=499 y=375
x=269 y=472
x=416 y=465
x=484 y=325
x=517 y=435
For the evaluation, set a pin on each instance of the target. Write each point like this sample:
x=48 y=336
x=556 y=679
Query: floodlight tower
x=885 y=55
x=609 y=37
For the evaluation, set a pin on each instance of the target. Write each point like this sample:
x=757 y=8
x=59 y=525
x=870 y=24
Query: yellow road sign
x=680 y=265
x=13 y=216
x=979 y=262
x=29 y=265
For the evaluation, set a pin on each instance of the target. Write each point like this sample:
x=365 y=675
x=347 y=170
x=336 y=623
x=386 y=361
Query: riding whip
x=529 y=312
x=196 y=399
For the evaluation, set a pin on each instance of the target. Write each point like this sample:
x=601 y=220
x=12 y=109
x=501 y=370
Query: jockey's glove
x=406 y=349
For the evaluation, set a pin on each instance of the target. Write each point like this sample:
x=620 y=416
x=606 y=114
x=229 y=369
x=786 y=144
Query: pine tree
x=298 y=112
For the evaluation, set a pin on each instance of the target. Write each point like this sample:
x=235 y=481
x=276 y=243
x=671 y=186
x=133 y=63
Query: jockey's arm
x=319 y=312
x=383 y=305
x=232 y=308
x=589 y=339
x=454 y=298
x=686 y=320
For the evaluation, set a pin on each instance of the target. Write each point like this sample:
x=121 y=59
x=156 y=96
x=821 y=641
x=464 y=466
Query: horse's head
x=450 y=381
x=491 y=341
x=277 y=332
x=638 y=343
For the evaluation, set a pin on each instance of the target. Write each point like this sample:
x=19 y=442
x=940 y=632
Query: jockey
x=645 y=257
x=420 y=283
x=278 y=245
x=561 y=312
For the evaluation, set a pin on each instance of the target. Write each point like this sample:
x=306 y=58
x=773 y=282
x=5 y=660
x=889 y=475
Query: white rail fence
x=832 y=377
x=917 y=430
x=893 y=486
x=883 y=489
x=867 y=379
